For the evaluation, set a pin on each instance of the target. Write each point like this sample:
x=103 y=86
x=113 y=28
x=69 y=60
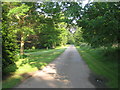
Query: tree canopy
x=100 y=23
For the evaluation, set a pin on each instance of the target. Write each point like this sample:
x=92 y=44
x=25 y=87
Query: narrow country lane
x=67 y=71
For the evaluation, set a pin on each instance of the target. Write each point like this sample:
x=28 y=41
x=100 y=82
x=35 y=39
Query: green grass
x=102 y=63
x=35 y=60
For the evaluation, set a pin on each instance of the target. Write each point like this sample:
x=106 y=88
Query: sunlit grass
x=101 y=64
x=35 y=60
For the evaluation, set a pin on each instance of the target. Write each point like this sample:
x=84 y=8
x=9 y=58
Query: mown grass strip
x=101 y=64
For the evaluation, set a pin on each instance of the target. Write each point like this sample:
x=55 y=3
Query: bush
x=9 y=47
x=9 y=69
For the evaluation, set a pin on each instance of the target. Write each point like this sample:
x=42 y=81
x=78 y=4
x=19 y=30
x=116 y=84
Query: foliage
x=78 y=36
x=100 y=23
x=52 y=30
x=9 y=44
x=51 y=35
x=72 y=11
x=63 y=32
x=70 y=38
x=18 y=11
x=46 y=35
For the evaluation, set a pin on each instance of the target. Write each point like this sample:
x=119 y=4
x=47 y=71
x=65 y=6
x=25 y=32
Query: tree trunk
x=53 y=46
x=22 y=46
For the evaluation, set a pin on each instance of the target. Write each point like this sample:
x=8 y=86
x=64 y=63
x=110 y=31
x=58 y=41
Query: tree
x=20 y=13
x=47 y=35
x=9 y=44
x=78 y=36
x=100 y=23
x=61 y=27
x=51 y=30
x=71 y=39
x=72 y=11
x=50 y=34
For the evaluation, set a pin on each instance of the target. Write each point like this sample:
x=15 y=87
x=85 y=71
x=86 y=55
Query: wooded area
x=38 y=25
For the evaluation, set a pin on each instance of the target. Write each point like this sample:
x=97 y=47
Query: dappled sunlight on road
x=46 y=78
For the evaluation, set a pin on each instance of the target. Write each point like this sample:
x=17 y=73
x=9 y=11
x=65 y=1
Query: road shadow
x=97 y=80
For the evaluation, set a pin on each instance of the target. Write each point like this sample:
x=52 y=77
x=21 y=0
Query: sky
x=85 y=2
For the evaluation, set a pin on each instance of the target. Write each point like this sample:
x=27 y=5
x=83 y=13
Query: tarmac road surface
x=66 y=71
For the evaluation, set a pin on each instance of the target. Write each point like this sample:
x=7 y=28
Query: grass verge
x=34 y=61
x=102 y=63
